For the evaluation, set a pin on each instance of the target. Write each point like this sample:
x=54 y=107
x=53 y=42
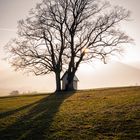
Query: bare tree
x=93 y=33
x=64 y=33
x=41 y=41
x=14 y=93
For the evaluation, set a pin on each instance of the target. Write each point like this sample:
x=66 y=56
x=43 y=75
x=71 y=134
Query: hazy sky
x=13 y=10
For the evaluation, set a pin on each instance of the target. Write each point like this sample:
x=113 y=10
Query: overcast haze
x=90 y=76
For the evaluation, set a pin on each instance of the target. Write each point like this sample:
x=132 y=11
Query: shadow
x=36 y=123
x=11 y=112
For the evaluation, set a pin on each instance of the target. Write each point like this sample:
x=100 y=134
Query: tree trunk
x=58 y=82
x=69 y=86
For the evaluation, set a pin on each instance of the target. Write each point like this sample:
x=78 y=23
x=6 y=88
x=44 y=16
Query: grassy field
x=102 y=114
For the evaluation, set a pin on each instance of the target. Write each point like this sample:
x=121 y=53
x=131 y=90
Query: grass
x=103 y=114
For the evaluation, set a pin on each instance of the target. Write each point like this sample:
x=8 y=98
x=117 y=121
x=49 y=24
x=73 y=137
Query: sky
x=13 y=10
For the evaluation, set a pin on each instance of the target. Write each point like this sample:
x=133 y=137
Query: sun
x=85 y=50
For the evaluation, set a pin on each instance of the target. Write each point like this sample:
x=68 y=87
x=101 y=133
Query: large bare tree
x=93 y=32
x=64 y=33
x=41 y=41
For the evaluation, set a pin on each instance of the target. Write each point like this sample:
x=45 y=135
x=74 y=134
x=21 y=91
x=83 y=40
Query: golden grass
x=102 y=114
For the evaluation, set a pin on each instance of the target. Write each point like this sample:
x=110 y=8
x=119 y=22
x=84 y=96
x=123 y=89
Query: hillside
x=101 y=114
x=11 y=80
x=135 y=64
x=112 y=74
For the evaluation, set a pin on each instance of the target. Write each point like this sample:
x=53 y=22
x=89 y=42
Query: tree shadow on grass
x=12 y=112
x=36 y=124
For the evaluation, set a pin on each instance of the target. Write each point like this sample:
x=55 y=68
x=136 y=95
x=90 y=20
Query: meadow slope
x=101 y=114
